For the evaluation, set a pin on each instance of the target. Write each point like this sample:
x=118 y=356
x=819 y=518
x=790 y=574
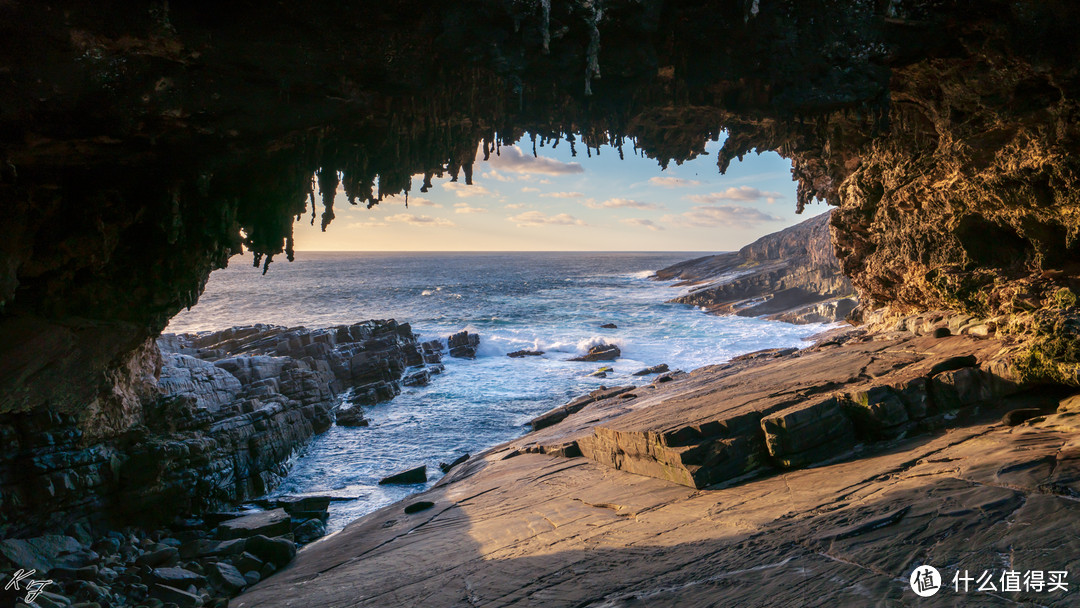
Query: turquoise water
x=553 y=302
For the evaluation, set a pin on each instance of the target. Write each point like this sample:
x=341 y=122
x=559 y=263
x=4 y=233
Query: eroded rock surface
x=791 y=275
x=532 y=522
x=229 y=410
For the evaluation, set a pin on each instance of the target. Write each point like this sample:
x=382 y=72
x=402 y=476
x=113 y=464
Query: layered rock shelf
x=825 y=473
x=791 y=275
x=773 y=410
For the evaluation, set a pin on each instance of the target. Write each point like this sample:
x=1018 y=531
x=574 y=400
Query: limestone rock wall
x=791 y=275
x=228 y=411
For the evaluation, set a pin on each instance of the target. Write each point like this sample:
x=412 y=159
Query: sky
x=559 y=202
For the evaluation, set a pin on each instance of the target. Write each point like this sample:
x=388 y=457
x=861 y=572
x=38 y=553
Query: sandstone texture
x=791 y=275
x=875 y=453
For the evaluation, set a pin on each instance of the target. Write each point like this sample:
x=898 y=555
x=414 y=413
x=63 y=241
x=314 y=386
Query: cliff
x=227 y=411
x=791 y=275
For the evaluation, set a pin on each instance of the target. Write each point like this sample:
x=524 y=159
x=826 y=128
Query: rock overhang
x=142 y=149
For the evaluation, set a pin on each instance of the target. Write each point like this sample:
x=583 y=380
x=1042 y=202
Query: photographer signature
x=33 y=587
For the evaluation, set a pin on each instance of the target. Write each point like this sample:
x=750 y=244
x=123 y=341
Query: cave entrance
x=563 y=198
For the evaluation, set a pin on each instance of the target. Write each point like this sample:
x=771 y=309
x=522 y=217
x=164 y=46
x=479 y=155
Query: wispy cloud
x=511 y=159
x=536 y=218
x=495 y=175
x=720 y=215
x=673 y=182
x=466 y=208
x=740 y=193
x=530 y=189
x=419 y=220
x=422 y=202
x=562 y=195
x=644 y=223
x=371 y=224
x=516 y=206
x=623 y=203
x=466 y=191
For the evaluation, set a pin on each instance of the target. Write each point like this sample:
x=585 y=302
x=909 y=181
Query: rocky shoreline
x=826 y=472
x=792 y=275
x=222 y=414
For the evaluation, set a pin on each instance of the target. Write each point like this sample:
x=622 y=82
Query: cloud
x=423 y=202
x=673 y=182
x=495 y=175
x=637 y=221
x=562 y=195
x=516 y=206
x=511 y=159
x=372 y=224
x=530 y=189
x=535 y=218
x=623 y=203
x=741 y=193
x=721 y=215
x=465 y=191
x=466 y=208
x=419 y=220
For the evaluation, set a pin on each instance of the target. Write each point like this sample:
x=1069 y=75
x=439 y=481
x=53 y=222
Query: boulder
x=463 y=345
x=609 y=326
x=275 y=522
x=211 y=548
x=162 y=557
x=176 y=577
x=309 y=531
x=656 y=369
x=172 y=595
x=961 y=387
x=247 y=562
x=278 y=551
x=1019 y=416
x=226 y=577
x=416 y=507
x=518 y=354
x=42 y=553
x=445 y=468
x=952 y=364
x=354 y=416
x=304 y=504
x=417 y=475
x=601 y=373
x=600 y=352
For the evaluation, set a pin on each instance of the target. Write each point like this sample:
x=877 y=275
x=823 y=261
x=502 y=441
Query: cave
x=141 y=148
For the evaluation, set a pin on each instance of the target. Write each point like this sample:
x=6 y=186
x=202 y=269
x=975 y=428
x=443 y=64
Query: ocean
x=554 y=302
